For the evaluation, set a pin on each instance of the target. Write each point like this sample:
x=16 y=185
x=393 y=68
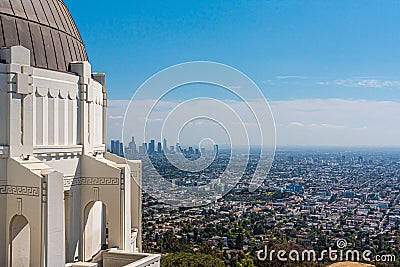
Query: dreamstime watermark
x=241 y=123
x=334 y=255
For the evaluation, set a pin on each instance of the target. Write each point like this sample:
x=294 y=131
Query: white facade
x=62 y=196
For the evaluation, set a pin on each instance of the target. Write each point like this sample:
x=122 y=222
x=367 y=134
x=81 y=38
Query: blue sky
x=291 y=49
x=330 y=69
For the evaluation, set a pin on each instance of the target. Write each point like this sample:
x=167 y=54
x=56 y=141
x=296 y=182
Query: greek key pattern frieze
x=91 y=181
x=19 y=190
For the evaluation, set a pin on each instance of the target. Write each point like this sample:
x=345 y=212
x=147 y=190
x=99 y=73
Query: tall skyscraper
x=159 y=147
x=151 y=147
x=116 y=147
x=121 y=149
x=112 y=148
x=165 y=146
x=216 y=150
x=145 y=147
x=131 y=150
x=132 y=146
x=142 y=150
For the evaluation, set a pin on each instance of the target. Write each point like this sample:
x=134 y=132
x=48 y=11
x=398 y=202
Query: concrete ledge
x=58 y=150
x=118 y=258
x=4 y=152
x=99 y=148
x=81 y=264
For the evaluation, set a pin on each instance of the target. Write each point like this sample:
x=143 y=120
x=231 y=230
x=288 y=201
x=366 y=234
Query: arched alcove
x=20 y=239
x=95 y=229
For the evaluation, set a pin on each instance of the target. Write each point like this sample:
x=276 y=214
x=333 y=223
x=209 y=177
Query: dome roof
x=46 y=28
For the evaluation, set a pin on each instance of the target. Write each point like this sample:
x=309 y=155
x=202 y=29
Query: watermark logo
x=341 y=243
x=240 y=123
x=342 y=253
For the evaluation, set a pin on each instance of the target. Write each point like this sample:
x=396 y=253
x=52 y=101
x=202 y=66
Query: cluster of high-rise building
x=117 y=147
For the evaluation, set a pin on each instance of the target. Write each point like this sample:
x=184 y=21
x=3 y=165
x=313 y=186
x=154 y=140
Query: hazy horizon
x=311 y=122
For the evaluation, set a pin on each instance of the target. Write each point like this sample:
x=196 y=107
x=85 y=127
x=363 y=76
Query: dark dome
x=46 y=28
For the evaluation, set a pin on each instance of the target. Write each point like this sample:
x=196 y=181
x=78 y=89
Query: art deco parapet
x=19 y=70
x=15 y=55
x=34 y=191
x=16 y=79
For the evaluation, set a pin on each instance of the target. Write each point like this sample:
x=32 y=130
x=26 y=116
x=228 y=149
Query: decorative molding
x=19 y=190
x=71 y=150
x=99 y=148
x=68 y=182
x=95 y=93
x=4 y=152
x=19 y=206
x=66 y=93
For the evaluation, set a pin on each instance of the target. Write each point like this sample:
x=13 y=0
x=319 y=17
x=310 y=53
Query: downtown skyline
x=156 y=147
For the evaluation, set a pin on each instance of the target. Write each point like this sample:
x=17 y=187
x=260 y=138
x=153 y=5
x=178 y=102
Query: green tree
x=246 y=262
x=182 y=259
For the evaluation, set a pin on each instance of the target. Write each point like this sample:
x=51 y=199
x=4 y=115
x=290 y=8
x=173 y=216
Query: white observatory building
x=64 y=201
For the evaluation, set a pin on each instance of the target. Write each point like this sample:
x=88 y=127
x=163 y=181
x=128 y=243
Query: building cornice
x=44 y=151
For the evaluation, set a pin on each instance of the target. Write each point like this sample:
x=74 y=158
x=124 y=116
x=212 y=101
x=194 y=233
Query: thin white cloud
x=234 y=87
x=267 y=82
x=285 y=77
x=316 y=125
x=324 y=83
x=327 y=126
x=115 y=117
x=296 y=124
x=366 y=83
